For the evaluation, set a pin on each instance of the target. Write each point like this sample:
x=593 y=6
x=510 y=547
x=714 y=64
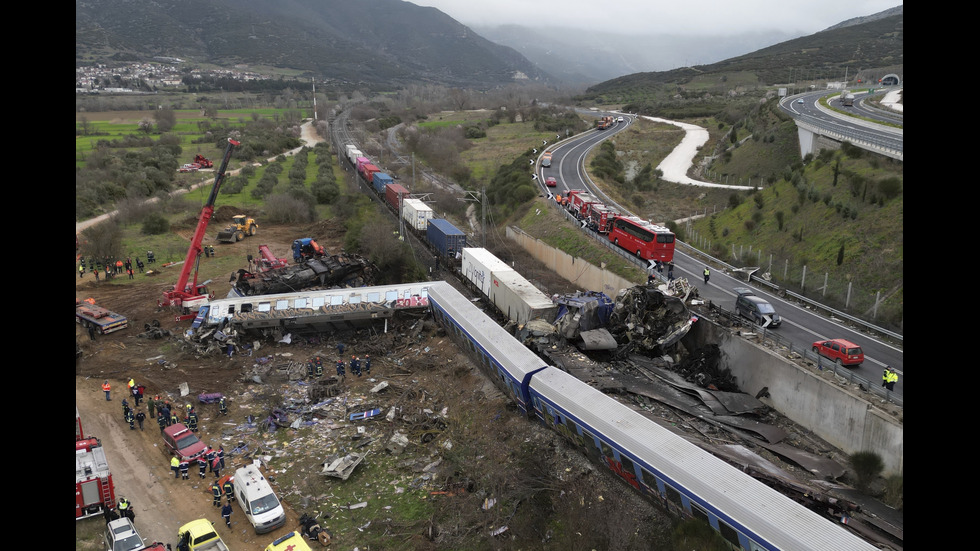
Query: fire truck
x=94 y=491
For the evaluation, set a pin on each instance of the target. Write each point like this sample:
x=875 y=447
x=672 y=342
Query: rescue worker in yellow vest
x=889 y=378
x=707 y=274
x=175 y=466
x=125 y=509
x=216 y=494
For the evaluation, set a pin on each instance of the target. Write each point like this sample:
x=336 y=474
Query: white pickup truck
x=199 y=535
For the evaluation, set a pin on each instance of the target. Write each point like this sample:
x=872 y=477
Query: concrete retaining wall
x=841 y=415
x=587 y=276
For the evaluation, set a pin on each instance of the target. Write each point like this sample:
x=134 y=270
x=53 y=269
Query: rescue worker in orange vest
x=106 y=388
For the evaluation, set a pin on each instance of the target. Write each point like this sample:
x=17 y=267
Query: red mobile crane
x=189 y=297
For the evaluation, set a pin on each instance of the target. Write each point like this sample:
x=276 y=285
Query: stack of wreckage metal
x=339 y=270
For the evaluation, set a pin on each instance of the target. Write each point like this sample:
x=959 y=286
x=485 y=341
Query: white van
x=257 y=500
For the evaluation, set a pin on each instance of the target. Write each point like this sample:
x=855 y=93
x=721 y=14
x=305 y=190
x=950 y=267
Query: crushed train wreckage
x=323 y=272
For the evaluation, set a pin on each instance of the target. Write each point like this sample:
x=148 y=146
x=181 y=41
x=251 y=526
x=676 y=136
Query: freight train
x=513 y=295
x=441 y=236
x=655 y=462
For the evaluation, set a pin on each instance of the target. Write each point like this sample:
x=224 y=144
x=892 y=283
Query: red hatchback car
x=550 y=181
x=841 y=351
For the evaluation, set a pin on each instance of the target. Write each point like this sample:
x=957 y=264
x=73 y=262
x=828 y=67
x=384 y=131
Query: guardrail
x=807 y=355
x=775 y=289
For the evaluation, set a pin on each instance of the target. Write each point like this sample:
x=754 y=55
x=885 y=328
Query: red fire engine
x=93 y=482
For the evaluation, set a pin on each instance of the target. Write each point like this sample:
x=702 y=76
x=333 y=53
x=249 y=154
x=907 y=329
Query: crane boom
x=181 y=292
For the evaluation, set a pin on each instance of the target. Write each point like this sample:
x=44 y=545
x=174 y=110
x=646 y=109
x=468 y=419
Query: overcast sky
x=691 y=17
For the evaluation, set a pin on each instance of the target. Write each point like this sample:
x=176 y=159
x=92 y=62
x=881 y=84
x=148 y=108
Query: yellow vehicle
x=292 y=541
x=199 y=535
x=241 y=227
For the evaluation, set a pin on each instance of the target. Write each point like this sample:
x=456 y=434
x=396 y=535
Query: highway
x=801 y=326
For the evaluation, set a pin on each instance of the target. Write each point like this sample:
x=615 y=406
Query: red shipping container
x=392 y=194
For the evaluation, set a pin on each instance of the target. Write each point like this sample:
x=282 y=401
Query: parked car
x=550 y=181
x=183 y=443
x=756 y=308
x=121 y=535
x=842 y=352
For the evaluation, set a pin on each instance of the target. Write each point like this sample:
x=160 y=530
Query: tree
x=165 y=118
x=840 y=255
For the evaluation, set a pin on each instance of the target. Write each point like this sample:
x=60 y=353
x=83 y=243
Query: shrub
x=890 y=187
x=155 y=224
x=867 y=467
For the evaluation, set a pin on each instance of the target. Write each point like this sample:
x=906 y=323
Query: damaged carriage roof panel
x=350 y=302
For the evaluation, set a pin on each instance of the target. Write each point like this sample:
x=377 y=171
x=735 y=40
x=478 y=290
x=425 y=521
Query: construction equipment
x=203 y=162
x=269 y=261
x=307 y=248
x=241 y=227
x=190 y=296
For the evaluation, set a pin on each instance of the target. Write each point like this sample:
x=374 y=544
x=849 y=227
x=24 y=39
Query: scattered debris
x=342 y=466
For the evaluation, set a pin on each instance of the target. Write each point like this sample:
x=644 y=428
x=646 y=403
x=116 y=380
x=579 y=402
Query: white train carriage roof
x=320 y=301
x=513 y=356
x=716 y=485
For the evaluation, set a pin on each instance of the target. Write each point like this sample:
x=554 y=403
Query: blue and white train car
x=661 y=465
x=501 y=357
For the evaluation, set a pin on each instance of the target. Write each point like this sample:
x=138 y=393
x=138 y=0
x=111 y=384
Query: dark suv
x=756 y=308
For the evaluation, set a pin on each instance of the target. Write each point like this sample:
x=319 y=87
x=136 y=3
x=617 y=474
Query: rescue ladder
x=106 y=493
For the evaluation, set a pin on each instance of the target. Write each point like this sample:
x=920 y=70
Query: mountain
x=856 y=46
x=380 y=42
x=576 y=56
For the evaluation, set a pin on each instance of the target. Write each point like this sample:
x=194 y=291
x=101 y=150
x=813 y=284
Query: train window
x=299 y=303
x=282 y=304
x=374 y=297
x=247 y=307
x=354 y=299
x=391 y=296
x=673 y=496
x=649 y=480
x=336 y=300
x=729 y=533
x=588 y=444
x=264 y=306
x=231 y=309
x=627 y=464
x=318 y=302
x=699 y=513
x=606 y=448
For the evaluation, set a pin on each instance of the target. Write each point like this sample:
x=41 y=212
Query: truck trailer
x=89 y=314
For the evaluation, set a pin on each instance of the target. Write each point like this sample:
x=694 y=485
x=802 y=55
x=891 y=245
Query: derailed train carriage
x=658 y=464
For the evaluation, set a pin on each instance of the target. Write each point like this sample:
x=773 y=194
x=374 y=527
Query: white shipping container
x=477 y=266
x=353 y=154
x=416 y=213
x=519 y=299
